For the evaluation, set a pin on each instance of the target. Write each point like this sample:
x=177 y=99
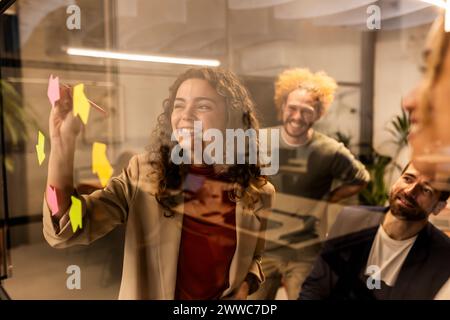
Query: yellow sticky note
x=100 y=163
x=40 y=147
x=75 y=214
x=81 y=104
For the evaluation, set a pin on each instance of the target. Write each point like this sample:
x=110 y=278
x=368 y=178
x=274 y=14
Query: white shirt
x=388 y=255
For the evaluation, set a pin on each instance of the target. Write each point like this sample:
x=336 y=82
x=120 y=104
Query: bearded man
x=310 y=162
x=395 y=253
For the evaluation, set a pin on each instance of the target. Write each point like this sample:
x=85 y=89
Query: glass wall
x=125 y=54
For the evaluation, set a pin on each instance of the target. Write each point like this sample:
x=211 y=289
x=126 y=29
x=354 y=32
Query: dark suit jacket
x=338 y=273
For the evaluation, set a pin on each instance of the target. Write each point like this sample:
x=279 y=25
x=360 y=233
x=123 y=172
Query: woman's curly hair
x=319 y=84
x=241 y=115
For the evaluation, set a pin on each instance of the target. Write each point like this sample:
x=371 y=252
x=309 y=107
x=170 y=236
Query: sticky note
x=75 y=214
x=52 y=200
x=40 y=147
x=81 y=104
x=53 y=90
x=100 y=163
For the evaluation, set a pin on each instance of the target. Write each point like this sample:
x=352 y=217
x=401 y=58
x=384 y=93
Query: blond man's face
x=299 y=112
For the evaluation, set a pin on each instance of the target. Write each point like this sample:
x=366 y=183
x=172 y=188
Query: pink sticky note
x=52 y=200
x=53 y=90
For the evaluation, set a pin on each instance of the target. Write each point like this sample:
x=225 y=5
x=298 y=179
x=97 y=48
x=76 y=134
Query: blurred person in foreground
x=429 y=109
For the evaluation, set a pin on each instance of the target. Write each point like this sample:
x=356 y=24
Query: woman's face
x=197 y=100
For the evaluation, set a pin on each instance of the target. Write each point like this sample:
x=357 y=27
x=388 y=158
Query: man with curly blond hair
x=309 y=163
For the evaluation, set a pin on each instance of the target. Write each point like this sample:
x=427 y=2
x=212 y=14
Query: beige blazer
x=152 y=240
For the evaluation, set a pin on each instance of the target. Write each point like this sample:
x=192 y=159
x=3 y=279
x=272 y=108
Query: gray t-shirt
x=309 y=170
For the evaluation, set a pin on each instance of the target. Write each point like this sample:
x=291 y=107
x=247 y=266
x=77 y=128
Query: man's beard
x=296 y=132
x=402 y=212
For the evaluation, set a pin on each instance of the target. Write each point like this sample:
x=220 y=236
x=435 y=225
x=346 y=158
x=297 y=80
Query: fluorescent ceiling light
x=141 y=57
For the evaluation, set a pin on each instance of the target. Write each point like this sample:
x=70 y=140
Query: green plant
x=376 y=193
x=15 y=118
x=400 y=129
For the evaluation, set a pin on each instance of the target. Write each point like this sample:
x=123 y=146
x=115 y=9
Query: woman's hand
x=240 y=293
x=62 y=123
x=64 y=128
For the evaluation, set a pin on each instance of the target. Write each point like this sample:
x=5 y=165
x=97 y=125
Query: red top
x=208 y=238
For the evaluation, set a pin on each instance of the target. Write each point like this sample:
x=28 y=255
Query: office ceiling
x=208 y=27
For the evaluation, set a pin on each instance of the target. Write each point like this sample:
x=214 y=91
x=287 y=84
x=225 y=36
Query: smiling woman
x=227 y=106
x=192 y=231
